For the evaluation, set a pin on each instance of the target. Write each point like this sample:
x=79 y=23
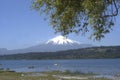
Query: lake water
x=100 y=66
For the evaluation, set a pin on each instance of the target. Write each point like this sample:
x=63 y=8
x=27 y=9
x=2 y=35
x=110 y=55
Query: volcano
x=59 y=43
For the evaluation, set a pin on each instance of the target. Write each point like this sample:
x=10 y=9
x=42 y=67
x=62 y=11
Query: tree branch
x=115 y=13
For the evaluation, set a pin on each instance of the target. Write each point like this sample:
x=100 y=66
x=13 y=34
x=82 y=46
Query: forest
x=84 y=53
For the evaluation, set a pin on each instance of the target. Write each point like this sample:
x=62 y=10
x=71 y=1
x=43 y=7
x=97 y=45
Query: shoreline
x=54 y=75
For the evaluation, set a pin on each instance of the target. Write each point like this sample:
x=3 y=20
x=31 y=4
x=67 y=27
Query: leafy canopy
x=80 y=16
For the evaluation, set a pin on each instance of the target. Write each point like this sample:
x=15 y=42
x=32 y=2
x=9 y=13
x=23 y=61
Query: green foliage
x=82 y=16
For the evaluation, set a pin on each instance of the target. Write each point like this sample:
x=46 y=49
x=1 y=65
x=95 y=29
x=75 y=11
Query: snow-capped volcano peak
x=60 y=40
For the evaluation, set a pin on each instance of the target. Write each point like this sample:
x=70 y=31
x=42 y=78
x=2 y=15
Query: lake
x=99 y=66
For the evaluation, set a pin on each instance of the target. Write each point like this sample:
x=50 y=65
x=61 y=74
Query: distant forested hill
x=85 y=53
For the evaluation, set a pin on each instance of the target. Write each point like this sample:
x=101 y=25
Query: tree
x=80 y=16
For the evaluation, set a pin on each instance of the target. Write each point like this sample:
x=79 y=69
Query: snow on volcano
x=61 y=40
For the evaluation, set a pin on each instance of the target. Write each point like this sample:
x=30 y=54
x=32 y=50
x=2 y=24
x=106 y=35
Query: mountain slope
x=58 y=43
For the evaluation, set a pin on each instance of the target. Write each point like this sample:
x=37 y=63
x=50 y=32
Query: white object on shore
x=22 y=74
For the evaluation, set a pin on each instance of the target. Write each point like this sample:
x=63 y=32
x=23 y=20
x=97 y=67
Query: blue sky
x=21 y=27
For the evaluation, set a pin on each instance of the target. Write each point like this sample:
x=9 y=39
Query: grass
x=51 y=75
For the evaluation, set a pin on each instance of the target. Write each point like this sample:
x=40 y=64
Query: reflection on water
x=100 y=66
